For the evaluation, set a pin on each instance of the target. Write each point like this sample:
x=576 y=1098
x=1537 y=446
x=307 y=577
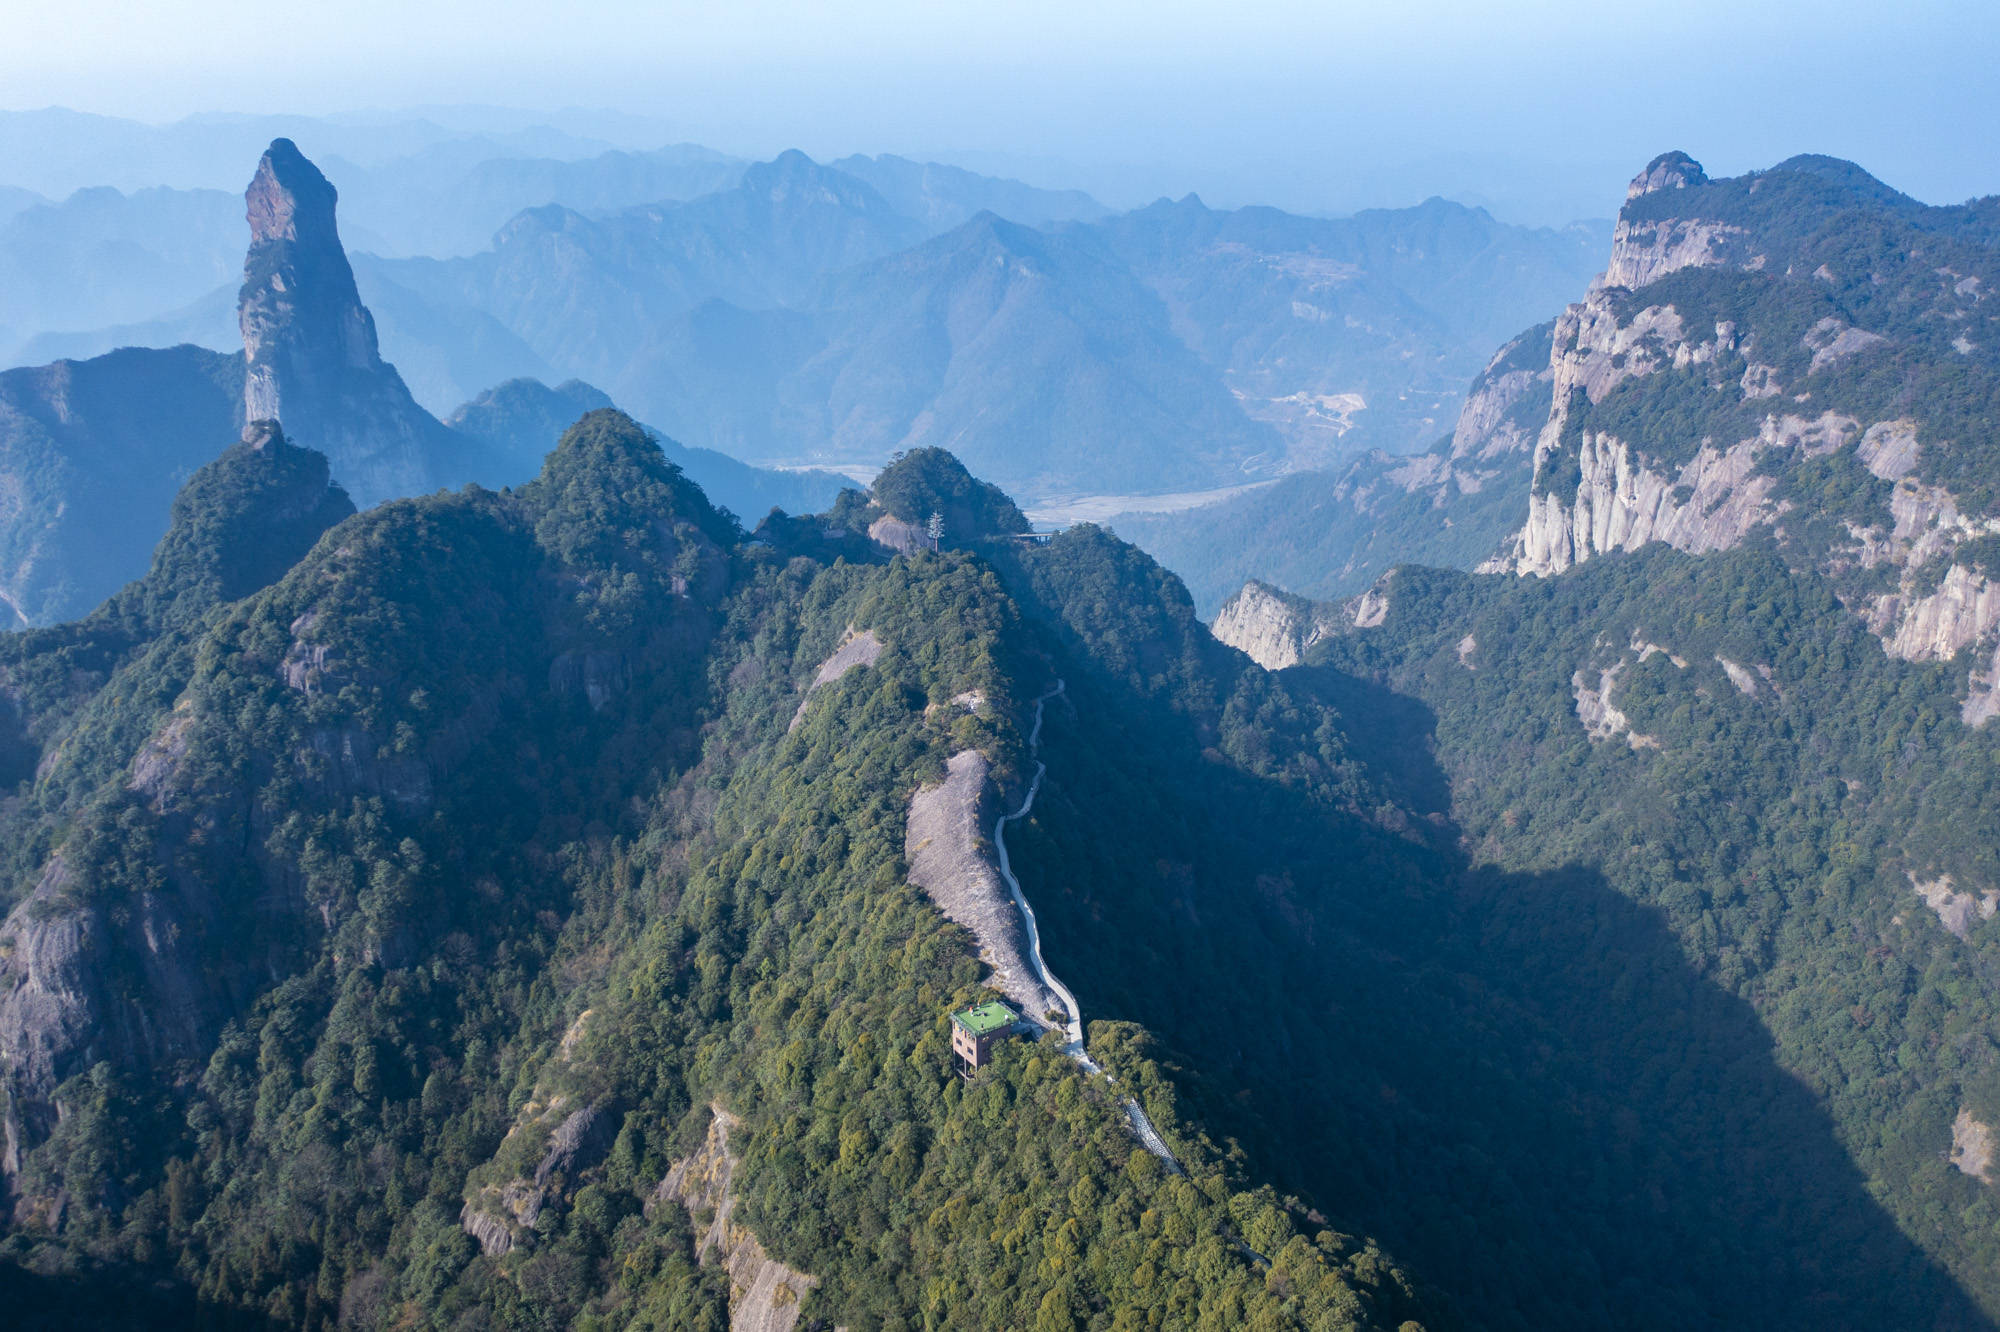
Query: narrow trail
x=1142 y=1127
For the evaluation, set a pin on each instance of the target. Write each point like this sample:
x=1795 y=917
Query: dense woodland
x=421 y=883
x=1765 y=842
x=496 y=760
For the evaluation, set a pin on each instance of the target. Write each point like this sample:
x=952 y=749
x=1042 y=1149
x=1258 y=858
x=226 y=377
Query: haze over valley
x=1089 y=671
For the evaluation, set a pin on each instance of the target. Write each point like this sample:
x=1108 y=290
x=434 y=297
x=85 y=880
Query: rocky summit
x=313 y=362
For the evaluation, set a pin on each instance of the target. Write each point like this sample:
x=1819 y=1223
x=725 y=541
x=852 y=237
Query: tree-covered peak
x=1778 y=205
x=1848 y=176
x=238 y=524
x=922 y=482
x=608 y=467
x=614 y=511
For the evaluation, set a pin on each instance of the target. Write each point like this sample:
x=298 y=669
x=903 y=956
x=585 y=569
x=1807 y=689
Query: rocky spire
x=309 y=343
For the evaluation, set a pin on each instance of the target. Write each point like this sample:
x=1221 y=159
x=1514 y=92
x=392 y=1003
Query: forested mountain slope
x=1333 y=533
x=437 y=890
x=516 y=419
x=85 y=500
x=1746 y=695
x=388 y=936
x=1801 y=817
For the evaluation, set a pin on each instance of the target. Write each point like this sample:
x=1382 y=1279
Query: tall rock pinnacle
x=309 y=343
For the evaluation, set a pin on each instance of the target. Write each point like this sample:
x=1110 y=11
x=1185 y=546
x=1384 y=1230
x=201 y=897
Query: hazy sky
x=1541 y=107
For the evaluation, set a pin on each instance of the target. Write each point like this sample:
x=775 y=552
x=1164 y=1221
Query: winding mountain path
x=1142 y=1127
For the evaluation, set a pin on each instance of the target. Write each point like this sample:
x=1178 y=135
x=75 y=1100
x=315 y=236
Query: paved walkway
x=1142 y=1127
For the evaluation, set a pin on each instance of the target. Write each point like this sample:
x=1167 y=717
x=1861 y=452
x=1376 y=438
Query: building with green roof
x=974 y=1032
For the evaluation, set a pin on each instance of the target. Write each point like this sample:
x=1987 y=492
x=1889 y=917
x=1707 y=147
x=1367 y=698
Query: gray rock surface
x=59 y=1011
x=1271 y=628
x=950 y=858
x=1601 y=720
x=856 y=649
x=1956 y=910
x=1972 y=1147
x=764 y=1294
x=312 y=359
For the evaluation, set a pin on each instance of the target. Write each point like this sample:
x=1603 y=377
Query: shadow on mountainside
x=1515 y=1081
x=108 y=1297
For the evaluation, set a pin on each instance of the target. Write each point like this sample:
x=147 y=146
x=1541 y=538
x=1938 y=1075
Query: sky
x=1541 y=110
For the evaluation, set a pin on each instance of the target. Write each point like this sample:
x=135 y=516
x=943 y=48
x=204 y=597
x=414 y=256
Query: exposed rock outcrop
x=1371 y=608
x=1669 y=171
x=1620 y=498
x=856 y=649
x=1920 y=621
x=1972 y=1147
x=904 y=538
x=1601 y=720
x=1646 y=249
x=1963 y=609
x=1270 y=627
x=1957 y=911
x=1741 y=676
x=312 y=359
x=61 y=1011
x=1598 y=490
x=1982 y=697
x=501 y=1213
x=764 y=1294
x=950 y=858
x=1622 y=502
x=1645 y=252
x=1889 y=449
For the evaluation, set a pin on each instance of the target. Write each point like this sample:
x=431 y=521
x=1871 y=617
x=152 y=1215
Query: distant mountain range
x=92 y=450
x=1202 y=347
x=1836 y=305
x=742 y=306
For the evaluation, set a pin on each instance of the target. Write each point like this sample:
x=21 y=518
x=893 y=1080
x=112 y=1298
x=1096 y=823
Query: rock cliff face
x=1643 y=250
x=1681 y=403
x=1624 y=500
x=1276 y=630
x=764 y=1294
x=1272 y=629
x=312 y=358
x=59 y=1013
x=856 y=649
x=571 y=1139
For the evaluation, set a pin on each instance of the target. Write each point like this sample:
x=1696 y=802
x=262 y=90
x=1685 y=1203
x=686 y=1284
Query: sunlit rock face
x=313 y=363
